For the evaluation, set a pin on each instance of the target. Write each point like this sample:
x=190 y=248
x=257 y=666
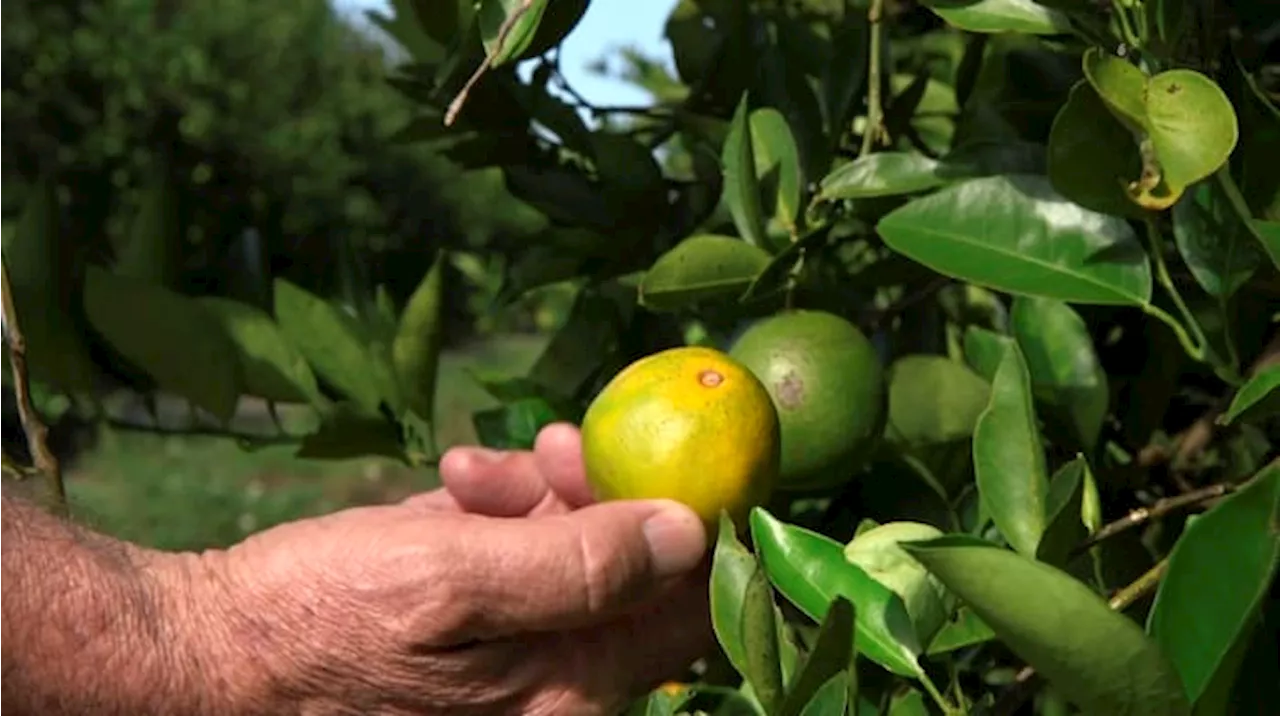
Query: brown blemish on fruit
x=710 y=378
x=791 y=391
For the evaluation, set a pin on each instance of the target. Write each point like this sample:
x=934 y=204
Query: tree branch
x=32 y=426
x=1161 y=508
x=874 y=132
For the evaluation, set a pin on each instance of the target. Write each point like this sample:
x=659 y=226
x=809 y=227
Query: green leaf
x=1063 y=364
x=965 y=629
x=1220 y=572
x=270 y=366
x=1095 y=657
x=732 y=567
x=346 y=432
x=1014 y=233
x=516 y=425
x=759 y=630
x=832 y=653
x=36 y=262
x=810 y=570
x=701 y=268
x=1064 y=509
x=1008 y=458
x=415 y=349
x=741 y=185
x=331 y=341
x=1092 y=156
x=881 y=174
x=153 y=242
x=1213 y=239
x=933 y=400
x=1192 y=125
x=1268 y=234
x=777 y=166
x=844 y=76
x=834 y=697
x=983 y=350
x=1120 y=85
x=170 y=337
x=909 y=703
x=520 y=19
x=995 y=16
x=1256 y=400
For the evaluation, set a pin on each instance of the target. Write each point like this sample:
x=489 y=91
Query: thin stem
x=947 y=707
x=32 y=426
x=1162 y=507
x=1194 y=343
x=1139 y=587
x=504 y=30
x=875 y=110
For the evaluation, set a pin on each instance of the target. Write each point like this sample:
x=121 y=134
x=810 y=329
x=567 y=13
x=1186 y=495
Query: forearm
x=89 y=624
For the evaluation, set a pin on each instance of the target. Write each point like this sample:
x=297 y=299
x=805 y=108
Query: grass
x=186 y=493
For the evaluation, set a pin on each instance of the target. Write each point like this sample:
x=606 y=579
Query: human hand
x=507 y=591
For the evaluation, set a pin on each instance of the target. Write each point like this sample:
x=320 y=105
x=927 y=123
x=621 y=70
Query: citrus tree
x=1006 y=271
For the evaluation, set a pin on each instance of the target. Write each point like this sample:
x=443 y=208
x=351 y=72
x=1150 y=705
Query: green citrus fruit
x=688 y=424
x=828 y=387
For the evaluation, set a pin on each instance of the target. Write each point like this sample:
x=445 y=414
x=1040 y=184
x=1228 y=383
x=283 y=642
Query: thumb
x=576 y=569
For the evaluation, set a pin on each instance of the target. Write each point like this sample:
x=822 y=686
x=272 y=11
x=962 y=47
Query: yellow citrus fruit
x=688 y=424
x=828 y=387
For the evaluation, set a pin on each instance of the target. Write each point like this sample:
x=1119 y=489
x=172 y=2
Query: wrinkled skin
x=505 y=591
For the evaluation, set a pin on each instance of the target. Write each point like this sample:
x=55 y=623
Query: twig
x=875 y=109
x=504 y=30
x=1024 y=682
x=1156 y=511
x=202 y=431
x=32 y=426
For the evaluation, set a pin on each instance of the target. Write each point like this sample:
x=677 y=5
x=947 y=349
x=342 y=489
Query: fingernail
x=487 y=455
x=677 y=540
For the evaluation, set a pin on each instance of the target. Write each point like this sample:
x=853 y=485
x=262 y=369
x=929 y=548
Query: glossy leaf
x=1102 y=661
x=832 y=653
x=877 y=552
x=1064 y=511
x=701 y=268
x=810 y=570
x=1220 y=572
x=1216 y=244
x=881 y=174
x=741 y=185
x=833 y=698
x=1063 y=364
x=1257 y=399
x=1120 y=85
x=171 y=337
x=732 y=567
x=908 y=703
x=270 y=366
x=965 y=629
x=1014 y=233
x=1192 y=125
x=759 y=630
x=1008 y=457
x=415 y=349
x=993 y=16
x=777 y=165
x=330 y=340
x=508 y=27
x=1092 y=157
x=933 y=400
x=983 y=350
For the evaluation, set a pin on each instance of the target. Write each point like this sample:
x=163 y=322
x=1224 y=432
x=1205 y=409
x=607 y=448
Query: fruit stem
x=947 y=707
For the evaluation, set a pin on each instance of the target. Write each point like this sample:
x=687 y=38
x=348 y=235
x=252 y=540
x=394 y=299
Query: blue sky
x=606 y=26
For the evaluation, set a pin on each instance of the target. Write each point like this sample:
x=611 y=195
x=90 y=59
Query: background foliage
x=1059 y=221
